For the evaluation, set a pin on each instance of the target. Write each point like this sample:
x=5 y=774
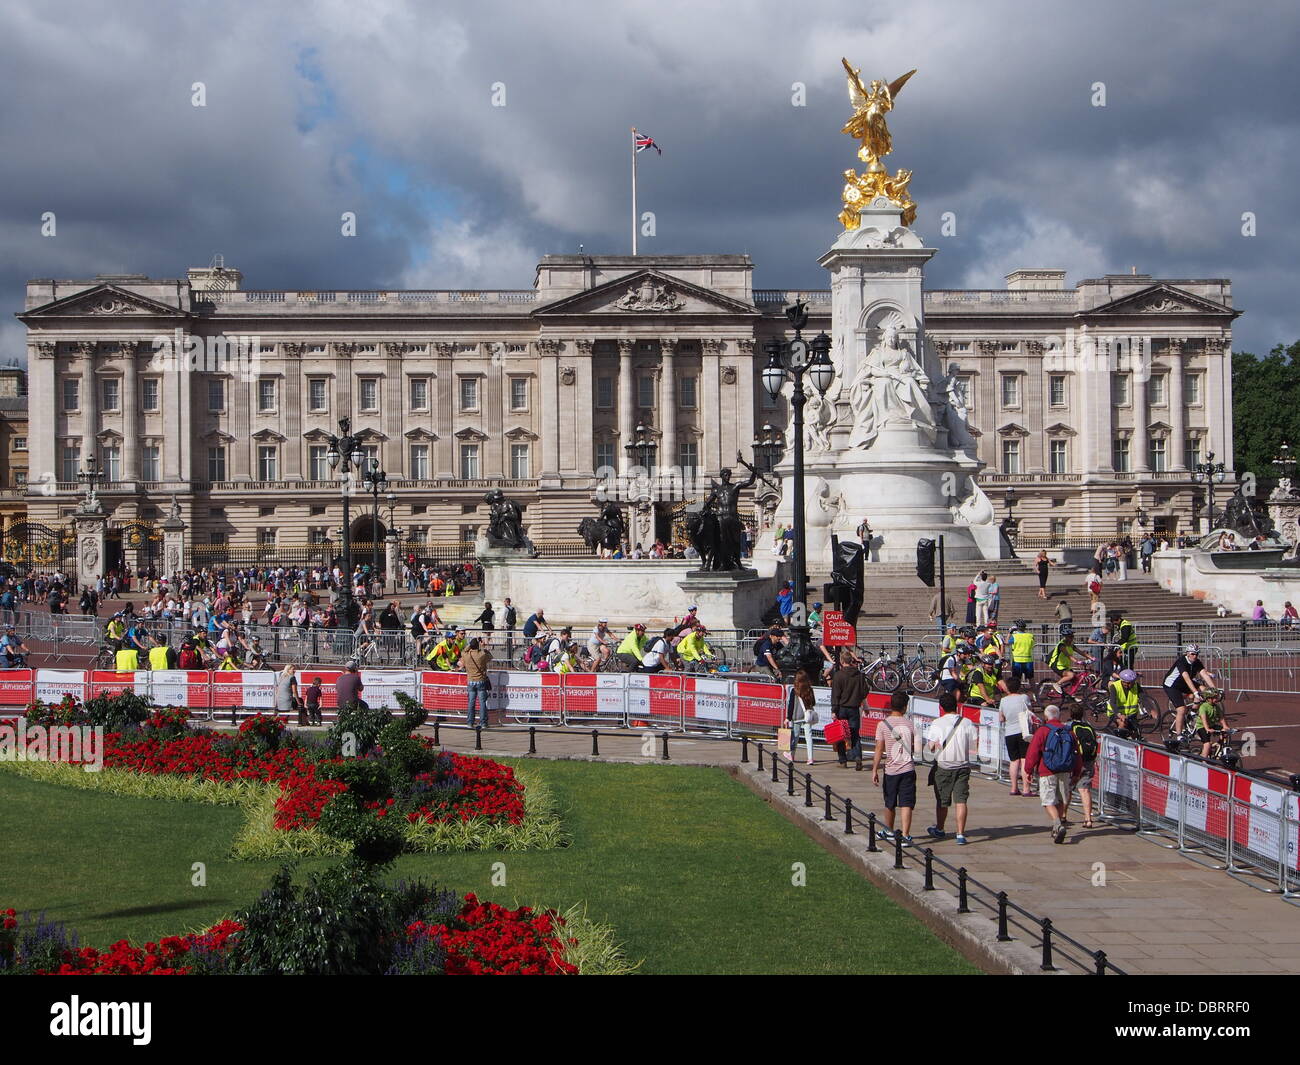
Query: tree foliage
x=1265 y=410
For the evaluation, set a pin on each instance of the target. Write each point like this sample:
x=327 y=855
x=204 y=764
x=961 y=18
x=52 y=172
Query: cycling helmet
x=1067 y=630
x=989 y=660
x=1191 y=649
x=1127 y=676
x=962 y=648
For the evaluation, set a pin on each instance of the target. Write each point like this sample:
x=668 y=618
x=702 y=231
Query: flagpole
x=634 y=190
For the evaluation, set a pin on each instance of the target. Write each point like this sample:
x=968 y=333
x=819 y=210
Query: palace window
x=149 y=394
x=317 y=395
x=964 y=387
x=1056 y=390
x=688 y=455
x=266 y=395
x=520 y=466
x=605 y=456
x=71 y=393
x=20 y=443
x=1192 y=446
x=1011 y=456
x=216 y=394
x=1057 y=457
x=645 y=391
x=71 y=462
x=419 y=462
x=267 y=466
x=316 y=535
x=1010 y=390
x=519 y=393
x=469 y=462
x=111 y=461
x=368 y=397
x=1157 y=392
x=419 y=393
x=686 y=392
x=1119 y=390
x=266 y=537
x=605 y=392
x=1156 y=455
x=216 y=537
x=469 y=393
x=1192 y=388
x=318 y=467
x=112 y=393
x=1119 y=455
x=150 y=457
x=216 y=464
x=1059 y=526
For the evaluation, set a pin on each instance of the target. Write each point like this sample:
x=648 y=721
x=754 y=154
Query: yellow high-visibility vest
x=1125 y=701
x=127 y=660
x=1022 y=647
x=158 y=657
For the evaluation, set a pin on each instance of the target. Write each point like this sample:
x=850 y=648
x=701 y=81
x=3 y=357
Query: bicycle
x=884 y=673
x=1077 y=691
x=921 y=676
x=1223 y=750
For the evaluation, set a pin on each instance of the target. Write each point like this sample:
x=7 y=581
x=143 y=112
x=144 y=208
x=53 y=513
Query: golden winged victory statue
x=870 y=106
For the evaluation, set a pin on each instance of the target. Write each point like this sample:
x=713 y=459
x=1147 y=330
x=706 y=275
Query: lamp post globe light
x=346 y=455
x=1209 y=473
x=793 y=360
x=641 y=453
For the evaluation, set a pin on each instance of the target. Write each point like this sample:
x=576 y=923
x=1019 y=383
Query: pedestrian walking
x=1014 y=713
x=477 y=685
x=895 y=735
x=952 y=740
x=981 y=600
x=801 y=713
x=1054 y=758
x=1043 y=564
x=1085 y=738
x=848 y=693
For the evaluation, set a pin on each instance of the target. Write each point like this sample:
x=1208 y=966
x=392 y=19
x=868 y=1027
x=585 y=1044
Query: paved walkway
x=1157 y=913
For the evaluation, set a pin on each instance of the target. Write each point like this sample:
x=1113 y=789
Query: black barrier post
x=871 y=832
x=665 y=754
x=807 y=789
x=900 y=641
x=478 y=737
x=962 y=907
x=1243 y=635
x=532 y=739
x=1047 y=945
x=776 y=768
x=744 y=749
x=1100 y=958
x=1178 y=633
x=929 y=869
x=595 y=742
x=898 y=848
x=760 y=756
x=828 y=816
x=1003 y=935
x=234 y=716
x=848 y=817
x=437 y=742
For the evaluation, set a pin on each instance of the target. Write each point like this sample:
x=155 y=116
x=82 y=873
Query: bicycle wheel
x=1048 y=692
x=1149 y=725
x=923 y=680
x=886 y=678
x=1097 y=705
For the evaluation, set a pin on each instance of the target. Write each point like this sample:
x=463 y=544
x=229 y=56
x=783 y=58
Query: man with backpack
x=1085 y=737
x=1054 y=756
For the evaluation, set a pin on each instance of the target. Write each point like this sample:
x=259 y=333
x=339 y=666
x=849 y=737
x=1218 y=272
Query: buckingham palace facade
x=224 y=398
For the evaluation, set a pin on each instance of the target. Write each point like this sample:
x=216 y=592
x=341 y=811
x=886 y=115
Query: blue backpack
x=1059 y=750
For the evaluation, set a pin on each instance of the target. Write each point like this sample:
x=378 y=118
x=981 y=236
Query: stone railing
x=369 y=296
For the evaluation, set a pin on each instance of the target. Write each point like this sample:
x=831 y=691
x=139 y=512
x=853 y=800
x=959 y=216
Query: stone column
x=89 y=402
x=711 y=407
x=667 y=403
x=90 y=527
x=130 y=403
x=584 y=404
x=549 y=384
x=1139 y=373
x=391 y=565
x=1177 y=413
x=626 y=395
x=748 y=383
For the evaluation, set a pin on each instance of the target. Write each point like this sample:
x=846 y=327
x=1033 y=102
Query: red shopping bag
x=837 y=731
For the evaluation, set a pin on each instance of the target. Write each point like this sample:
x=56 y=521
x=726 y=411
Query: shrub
x=376 y=839
x=360 y=722
x=413 y=711
x=118 y=711
x=262 y=732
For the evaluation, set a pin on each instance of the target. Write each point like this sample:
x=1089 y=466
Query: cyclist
x=1209 y=720
x=656 y=655
x=115 y=630
x=1022 y=651
x=951 y=670
x=536 y=623
x=765 y=649
x=1064 y=657
x=949 y=643
x=632 y=649
x=990 y=641
x=982 y=681
x=1124 y=701
x=15 y=651
x=692 y=647
x=1127 y=638
x=444 y=654
x=160 y=655
x=558 y=644
x=1185 y=678
x=127 y=659
x=598 y=643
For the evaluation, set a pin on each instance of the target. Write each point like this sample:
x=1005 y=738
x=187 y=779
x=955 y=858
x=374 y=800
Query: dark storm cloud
x=386 y=109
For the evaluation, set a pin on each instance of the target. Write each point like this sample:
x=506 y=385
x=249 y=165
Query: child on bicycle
x=1211 y=727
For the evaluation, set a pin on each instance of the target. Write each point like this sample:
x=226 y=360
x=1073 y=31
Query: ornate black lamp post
x=375 y=481
x=91 y=478
x=1011 y=526
x=1209 y=473
x=346 y=455
x=393 y=538
x=768 y=445
x=792 y=360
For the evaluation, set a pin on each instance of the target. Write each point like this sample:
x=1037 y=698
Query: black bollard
x=898 y=848
x=1047 y=945
x=532 y=739
x=478 y=737
x=962 y=906
x=848 y=817
x=595 y=742
x=929 y=869
x=744 y=749
x=1003 y=934
x=871 y=833
x=665 y=754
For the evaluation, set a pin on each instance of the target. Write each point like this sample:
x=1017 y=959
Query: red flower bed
x=164 y=958
x=489 y=790
x=489 y=940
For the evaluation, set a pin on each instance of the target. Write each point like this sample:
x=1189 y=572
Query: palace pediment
x=1161 y=299
x=105 y=301
x=646 y=294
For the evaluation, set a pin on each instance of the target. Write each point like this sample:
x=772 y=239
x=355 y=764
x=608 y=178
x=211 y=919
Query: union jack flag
x=643 y=142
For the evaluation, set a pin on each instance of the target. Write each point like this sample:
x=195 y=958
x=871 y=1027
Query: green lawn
x=692 y=870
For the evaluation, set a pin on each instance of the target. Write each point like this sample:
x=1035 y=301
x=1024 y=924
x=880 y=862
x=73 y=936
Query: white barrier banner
x=638 y=695
x=708 y=699
x=380 y=686
x=1257 y=826
x=990 y=735
x=53 y=684
x=166 y=687
x=1119 y=767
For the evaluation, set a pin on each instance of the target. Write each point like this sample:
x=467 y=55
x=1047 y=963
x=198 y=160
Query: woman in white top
x=1013 y=711
x=982 y=600
x=801 y=711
